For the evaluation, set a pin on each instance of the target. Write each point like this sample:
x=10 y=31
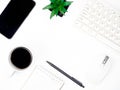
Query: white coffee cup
x=20 y=58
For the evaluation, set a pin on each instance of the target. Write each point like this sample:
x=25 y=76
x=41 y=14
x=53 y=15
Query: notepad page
x=41 y=79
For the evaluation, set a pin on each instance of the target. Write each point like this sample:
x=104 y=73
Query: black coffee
x=21 y=57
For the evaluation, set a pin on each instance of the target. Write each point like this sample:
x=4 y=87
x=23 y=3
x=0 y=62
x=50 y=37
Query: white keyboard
x=101 y=21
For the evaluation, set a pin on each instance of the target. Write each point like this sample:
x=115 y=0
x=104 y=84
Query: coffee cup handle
x=13 y=73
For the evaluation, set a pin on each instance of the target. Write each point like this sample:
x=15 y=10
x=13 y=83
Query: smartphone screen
x=13 y=16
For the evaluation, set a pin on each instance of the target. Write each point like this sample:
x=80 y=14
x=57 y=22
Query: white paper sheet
x=42 y=79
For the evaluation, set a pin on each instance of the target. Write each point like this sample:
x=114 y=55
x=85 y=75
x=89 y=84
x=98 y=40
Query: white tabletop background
x=59 y=41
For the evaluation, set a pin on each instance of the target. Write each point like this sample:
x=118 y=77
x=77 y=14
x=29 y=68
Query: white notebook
x=42 y=79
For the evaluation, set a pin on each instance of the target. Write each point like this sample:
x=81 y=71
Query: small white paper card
x=42 y=79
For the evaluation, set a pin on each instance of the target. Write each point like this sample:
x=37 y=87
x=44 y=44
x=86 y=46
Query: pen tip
x=47 y=61
x=83 y=86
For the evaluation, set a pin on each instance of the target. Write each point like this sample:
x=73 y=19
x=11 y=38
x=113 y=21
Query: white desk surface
x=58 y=41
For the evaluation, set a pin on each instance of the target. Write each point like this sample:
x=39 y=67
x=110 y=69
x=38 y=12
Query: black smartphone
x=13 y=16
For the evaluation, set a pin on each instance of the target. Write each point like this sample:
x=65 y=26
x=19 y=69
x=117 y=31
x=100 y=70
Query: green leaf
x=52 y=1
x=63 y=10
x=62 y=0
x=67 y=3
x=48 y=6
x=54 y=5
x=54 y=12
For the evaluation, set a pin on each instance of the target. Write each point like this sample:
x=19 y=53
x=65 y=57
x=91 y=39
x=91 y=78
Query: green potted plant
x=58 y=7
